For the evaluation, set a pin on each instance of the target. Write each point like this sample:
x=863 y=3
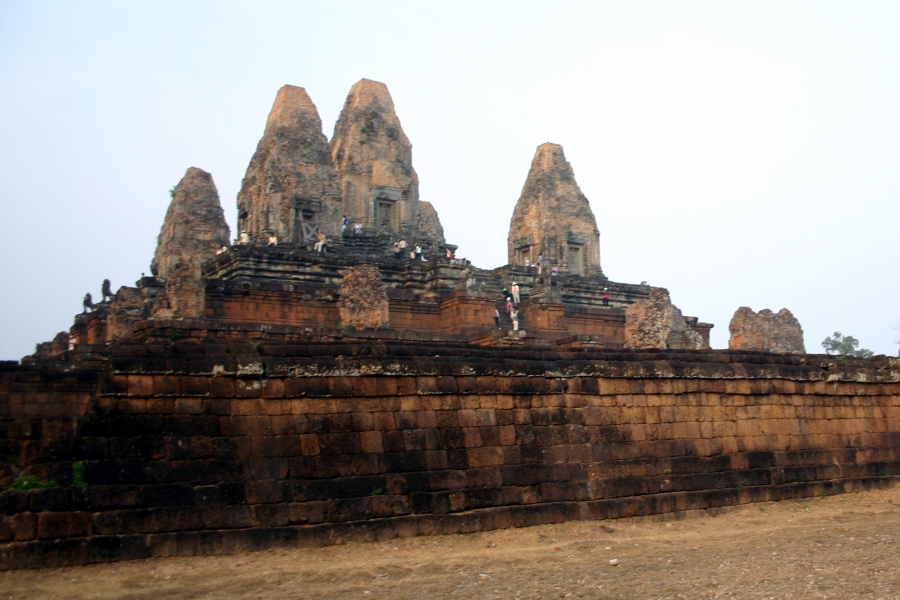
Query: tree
x=845 y=345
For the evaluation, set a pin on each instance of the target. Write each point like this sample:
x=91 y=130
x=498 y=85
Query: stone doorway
x=308 y=227
x=576 y=260
x=522 y=254
x=386 y=215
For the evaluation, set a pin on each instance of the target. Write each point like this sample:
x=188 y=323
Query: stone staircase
x=364 y=243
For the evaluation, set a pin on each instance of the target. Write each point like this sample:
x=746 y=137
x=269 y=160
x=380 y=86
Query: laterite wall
x=224 y=446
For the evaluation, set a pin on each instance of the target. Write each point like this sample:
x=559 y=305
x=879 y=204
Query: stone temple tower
x=373 y=160
x=553 y=218
x=290 y=188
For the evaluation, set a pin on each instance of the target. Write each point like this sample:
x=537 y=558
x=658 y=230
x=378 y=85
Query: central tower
x=553 y=218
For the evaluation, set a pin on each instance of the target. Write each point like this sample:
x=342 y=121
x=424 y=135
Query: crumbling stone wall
x=431 y=232
x=56 y=347
x=127 y=307
x=765 y=330
x=655 y=322
x=227 y=446
x=363 y=303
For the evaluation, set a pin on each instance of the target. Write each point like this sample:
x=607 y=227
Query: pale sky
x=735 y=153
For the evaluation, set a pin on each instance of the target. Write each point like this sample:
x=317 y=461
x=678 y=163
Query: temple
x=359 y=194
x=336 y=374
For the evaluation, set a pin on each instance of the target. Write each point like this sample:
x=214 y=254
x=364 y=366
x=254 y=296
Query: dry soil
x=838 y=547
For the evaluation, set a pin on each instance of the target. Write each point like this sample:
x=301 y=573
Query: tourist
x=397 y=250
x=402 y=246
x=221 y=249
x=527 y=263
x=273 y=240
x=357 y=229
x=344 y=223
x=418 y=252
x=320 y=245
x=449 y=254
x=605 y=296
x=509 y=305
x=515 y=292
x=540 y=262
x=497 y=317
x=514 y=317
x=554 y=271
x=245 y=237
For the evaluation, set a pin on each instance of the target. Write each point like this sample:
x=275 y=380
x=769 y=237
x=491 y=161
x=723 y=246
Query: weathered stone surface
x=364 y=302
x=127 y=307
x=58 y=346
x=241 y=444
x=765 y=330
x=373 y=158
x=290 y=180
x=657 y=323
x=430 y=229
x=553 y=217
x=194 y=229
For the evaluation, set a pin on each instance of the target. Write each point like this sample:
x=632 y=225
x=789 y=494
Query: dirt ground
x=844 y=546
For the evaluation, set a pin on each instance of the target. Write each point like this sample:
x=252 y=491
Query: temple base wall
x=230 y=445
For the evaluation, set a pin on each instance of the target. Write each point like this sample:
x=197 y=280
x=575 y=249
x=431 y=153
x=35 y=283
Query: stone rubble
x=656 y=323
x=765 y=330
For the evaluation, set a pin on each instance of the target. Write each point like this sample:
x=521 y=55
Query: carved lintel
x=523 y=241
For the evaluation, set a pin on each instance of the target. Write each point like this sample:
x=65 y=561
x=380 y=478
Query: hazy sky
x=736 y=153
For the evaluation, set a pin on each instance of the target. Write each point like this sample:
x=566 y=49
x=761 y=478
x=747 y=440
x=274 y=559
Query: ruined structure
x=290 y=189
x=553 y=218
x=193 y=231
x=278 y=396
x=765 y=330
x=654 y=322
x=194 y=227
